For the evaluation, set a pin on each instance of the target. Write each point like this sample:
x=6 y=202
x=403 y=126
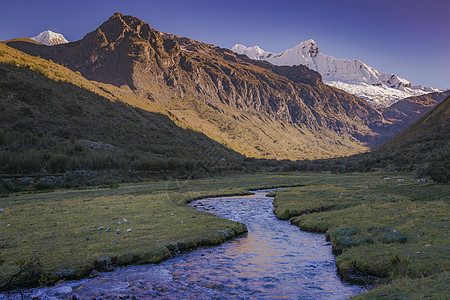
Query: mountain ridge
x=253 y=107
x=353 y=76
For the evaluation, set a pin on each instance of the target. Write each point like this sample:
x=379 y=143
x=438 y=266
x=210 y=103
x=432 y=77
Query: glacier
x=353 y=76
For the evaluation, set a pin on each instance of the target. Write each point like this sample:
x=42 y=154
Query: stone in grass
x=125 y=220
x=128 y=230
x=101 y=228
x=94 y=273
x=87 y=238
x=109 y=229
x=120 y=223
x=62 y=290
x=1 y=210
x=118 y=231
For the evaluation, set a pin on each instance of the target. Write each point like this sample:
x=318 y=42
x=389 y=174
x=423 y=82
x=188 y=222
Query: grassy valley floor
x=392 y=231
x=64 y=234
x=385 y=229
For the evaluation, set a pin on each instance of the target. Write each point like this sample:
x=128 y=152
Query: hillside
x=433 y=125
x=407 y=111
x=57 y=128
x=252 y=107
x=424 y=146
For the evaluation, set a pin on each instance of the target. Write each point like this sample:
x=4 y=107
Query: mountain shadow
x=294 y=107
x=54 y=133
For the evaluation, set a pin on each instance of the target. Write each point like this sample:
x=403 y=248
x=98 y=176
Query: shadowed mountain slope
x=253 y=107
x=54 y=122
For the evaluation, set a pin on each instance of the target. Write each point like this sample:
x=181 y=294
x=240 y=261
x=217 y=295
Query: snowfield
x=353 y=76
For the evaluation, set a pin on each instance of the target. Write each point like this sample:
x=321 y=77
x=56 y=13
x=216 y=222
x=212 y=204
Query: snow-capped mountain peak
x=254 y=51
x=50 y=38
x=353 y=76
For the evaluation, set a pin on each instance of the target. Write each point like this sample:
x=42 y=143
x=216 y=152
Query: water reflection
x=274 y=260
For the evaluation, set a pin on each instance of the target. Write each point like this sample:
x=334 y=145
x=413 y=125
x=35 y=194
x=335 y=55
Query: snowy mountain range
x=50 y=38
x=353 y=76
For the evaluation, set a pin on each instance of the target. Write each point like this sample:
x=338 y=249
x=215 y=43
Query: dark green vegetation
x=384 y=230
x=423 y=149
x=72 y=135
x=63 y=234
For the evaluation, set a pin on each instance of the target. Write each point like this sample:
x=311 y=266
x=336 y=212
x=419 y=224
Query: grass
x=384 y=231
x=56 y=235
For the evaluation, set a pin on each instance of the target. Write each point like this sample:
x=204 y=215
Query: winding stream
x=274 y=260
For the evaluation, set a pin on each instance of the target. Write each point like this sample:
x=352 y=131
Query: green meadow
x=64 y=234
x=384 y=231
x=389 y=233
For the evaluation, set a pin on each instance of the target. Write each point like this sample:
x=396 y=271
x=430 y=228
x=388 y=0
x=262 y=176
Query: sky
x=409 y=38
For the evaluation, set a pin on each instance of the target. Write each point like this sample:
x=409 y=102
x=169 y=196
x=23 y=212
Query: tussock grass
x=382 y=230
x=63 y=234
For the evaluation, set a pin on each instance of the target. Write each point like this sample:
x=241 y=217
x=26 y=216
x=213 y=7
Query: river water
x=274 y=260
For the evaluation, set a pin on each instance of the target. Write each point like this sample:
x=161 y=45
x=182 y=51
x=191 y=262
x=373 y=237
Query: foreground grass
x=63 y=234
x=384 y=230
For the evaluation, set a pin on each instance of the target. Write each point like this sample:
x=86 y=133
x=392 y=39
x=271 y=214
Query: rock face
x=50 y=38
x=126 y=52
x=353 y=76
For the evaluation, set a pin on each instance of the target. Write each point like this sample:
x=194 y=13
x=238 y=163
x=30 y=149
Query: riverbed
x=273 y=260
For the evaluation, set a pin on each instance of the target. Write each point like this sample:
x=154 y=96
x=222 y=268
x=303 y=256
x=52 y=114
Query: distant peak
x=307 y=44
x=254 y=52
x=116 y=15
x=310 y=41
x=50 y=38
x=308 y=47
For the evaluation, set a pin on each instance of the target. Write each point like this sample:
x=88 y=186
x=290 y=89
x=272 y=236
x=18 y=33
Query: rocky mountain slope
x=59 y=129
x=253 y=107
x=50 y=38
x=406 y=111
x=353 y=76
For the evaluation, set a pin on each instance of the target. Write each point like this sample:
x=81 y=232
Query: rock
x=128 y=230
x=87 y=238
x=1 y=210
x=171 y=214
x=101 y=228
x=120 y=223
x=118 y=231
x=94 y=273
x=8 y=225
x=109 y=229
x=104 y=264
x=58 y=291
x=125 y=220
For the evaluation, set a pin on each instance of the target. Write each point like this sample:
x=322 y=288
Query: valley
x=104 y=141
